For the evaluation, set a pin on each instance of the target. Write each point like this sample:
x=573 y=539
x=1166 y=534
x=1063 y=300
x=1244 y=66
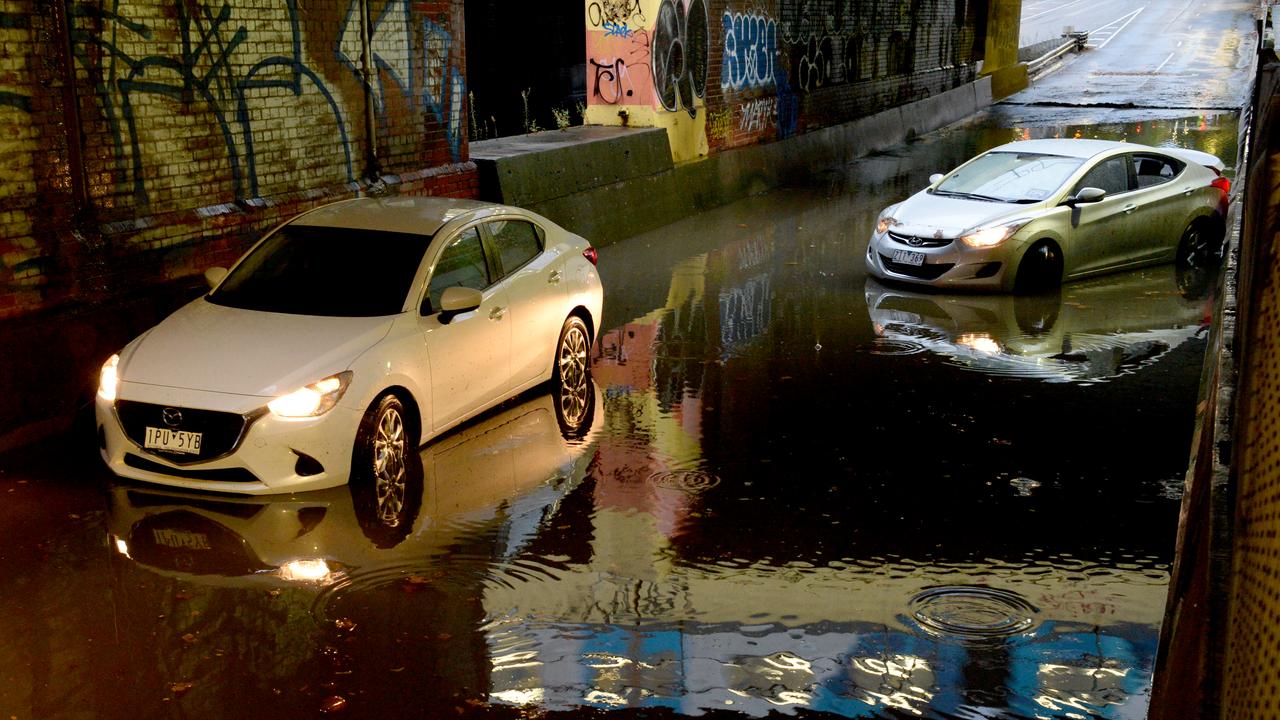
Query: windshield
x=325 y=271
x=1009 y=177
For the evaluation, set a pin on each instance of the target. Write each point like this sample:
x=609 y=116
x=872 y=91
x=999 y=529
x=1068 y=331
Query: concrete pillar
x=1004 y=21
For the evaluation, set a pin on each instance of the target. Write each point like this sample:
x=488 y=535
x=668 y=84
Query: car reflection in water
x=519 y=459
x=321 y=587
x=1086 y=332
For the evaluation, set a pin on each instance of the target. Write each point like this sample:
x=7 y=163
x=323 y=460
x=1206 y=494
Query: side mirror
x=214 y=275
x=934 y=178
x=1087 y=195
x=457 y=300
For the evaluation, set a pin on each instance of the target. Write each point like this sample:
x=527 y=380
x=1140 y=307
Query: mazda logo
x=171 y=416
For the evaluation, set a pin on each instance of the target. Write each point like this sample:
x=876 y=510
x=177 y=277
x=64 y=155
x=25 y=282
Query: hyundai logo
x=915 y=241
x=171 y=416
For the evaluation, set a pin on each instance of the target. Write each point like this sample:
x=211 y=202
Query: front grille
x=236 y=475
x=221 y=431
x=924 y=272
x=920 y=241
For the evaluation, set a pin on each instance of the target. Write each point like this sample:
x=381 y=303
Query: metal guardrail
x=1071 y=41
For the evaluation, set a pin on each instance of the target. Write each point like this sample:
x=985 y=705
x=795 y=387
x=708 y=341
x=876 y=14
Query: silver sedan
x=1029 y=215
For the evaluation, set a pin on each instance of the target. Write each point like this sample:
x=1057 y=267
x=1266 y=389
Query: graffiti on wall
x=679 y=52
x=391 y=43
x=213 y=71
x=614 y=14
x=750 y=52
x=233 y=71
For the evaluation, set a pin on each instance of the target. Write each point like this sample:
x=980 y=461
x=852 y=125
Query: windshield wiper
x=969 y=196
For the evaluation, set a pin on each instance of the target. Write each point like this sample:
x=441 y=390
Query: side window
x=1111 y=175
x=516 y=242
x=1155 y=169
x=461 y=264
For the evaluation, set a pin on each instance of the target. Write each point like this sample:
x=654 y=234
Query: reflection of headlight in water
x=981 y=342
x=314 y=570
x=531 y=696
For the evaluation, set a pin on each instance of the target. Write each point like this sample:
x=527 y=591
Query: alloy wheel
x=572 y=358
x=389 y=446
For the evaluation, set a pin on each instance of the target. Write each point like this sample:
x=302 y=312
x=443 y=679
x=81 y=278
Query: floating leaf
x=179 y=688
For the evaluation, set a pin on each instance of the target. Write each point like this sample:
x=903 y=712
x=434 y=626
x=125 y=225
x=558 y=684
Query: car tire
x=1040 y=269
x=572 y=360
x=575 y=407
x=386 y=473
x=1199 y=246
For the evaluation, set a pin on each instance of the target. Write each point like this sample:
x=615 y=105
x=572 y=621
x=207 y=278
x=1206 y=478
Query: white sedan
x=1028 y=215
x=345 y=338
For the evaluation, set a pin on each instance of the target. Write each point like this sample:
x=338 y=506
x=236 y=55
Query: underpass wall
x=721 y=74
x=144 y=140
x=1220 y=640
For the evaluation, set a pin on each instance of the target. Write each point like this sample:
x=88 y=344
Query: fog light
x=306 y=465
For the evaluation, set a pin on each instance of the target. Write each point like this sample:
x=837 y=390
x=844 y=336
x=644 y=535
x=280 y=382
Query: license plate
x=173 y=440
x=906 y=257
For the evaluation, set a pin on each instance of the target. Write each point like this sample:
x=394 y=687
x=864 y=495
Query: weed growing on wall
x=530 y=125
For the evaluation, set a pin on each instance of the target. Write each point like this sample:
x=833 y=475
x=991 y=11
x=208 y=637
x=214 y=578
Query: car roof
x=410 y=214
x=1072 y=147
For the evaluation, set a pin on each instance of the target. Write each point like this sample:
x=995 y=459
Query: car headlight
x=886 y=220
x=992 y=236
x=109 y=379
x=315 y=399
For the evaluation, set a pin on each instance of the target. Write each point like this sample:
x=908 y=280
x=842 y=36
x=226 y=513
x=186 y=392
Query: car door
x=1100 y=230
x=533 y=278
x=1164 y=204
x=468 y=354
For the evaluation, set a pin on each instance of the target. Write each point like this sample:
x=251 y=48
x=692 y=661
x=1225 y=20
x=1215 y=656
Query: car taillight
x=1223 y=184
x=590 y=254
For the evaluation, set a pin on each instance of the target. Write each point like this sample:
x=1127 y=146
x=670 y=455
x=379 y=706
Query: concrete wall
x=610 y=183
x=144 y=140
x=720 y=74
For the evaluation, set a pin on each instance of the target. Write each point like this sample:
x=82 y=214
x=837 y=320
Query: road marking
x=1166 y=62
x=1127 y=19
x=1052 y=10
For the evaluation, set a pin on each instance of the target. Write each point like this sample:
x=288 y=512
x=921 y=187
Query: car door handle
x=497 y=313
x=1128 y=209
x=1188 y=191
x=554 y=277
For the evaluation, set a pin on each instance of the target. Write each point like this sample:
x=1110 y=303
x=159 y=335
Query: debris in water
x=1024 y=486
x=333 y=703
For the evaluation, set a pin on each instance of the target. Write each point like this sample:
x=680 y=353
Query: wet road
x=1159 y=57
x=790 y=489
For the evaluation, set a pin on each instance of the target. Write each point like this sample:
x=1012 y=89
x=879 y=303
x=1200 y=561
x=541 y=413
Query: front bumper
x=953 y=266
x=266 y=459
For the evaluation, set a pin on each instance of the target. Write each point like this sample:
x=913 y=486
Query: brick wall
x=145 y=140
x=743 y=73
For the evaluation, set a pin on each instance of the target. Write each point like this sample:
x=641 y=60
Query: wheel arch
x=413 y=411
x=582 y=313
x=1054 y=241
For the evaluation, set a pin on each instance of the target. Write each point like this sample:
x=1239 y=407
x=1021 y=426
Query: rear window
x=325 y=271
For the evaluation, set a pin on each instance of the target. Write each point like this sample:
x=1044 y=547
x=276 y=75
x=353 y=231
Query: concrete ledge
x=637 y=192
x=529 y=169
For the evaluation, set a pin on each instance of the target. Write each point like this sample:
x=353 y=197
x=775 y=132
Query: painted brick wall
x=144 y=140
x=720 y=74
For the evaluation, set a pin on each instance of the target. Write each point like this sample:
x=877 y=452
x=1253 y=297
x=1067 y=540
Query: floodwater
x=790 y=490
